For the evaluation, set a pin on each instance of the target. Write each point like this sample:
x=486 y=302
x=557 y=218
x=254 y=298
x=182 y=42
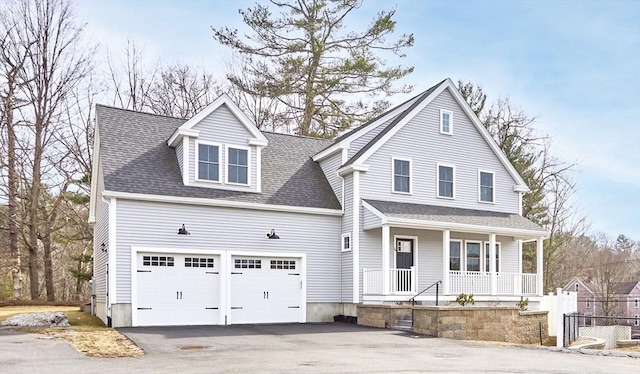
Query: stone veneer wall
x=500 y=324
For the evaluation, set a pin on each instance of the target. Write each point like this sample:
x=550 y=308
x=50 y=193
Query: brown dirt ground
x=87 y=334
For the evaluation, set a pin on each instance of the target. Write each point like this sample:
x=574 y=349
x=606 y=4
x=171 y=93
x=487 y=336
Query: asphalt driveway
x=308 y=348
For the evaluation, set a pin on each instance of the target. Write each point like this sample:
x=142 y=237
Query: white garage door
x=177 y=289
x=265 y=290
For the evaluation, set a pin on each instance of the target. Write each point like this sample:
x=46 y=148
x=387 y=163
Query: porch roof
x=455 y=219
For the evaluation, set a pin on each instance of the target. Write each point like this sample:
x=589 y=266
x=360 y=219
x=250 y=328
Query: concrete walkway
x=310 y=348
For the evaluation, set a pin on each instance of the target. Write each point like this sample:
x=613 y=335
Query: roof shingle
x=136 y=159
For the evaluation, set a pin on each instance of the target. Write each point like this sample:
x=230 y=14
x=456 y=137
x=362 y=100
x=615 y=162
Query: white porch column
x=446 y=246
x=539 y=265
x=492 y=264
x=385 y=259
x=518 y=280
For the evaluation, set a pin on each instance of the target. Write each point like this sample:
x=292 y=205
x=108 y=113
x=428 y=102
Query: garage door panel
x=177 y=289
x=267 y=292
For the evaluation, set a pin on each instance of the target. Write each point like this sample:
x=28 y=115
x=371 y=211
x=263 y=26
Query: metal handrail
x=413 y=299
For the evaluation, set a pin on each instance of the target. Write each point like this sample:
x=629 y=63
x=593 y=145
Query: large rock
x=41 y=319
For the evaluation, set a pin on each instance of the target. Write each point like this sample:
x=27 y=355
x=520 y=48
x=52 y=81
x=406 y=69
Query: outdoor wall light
x=183 y=231
x=272 y=235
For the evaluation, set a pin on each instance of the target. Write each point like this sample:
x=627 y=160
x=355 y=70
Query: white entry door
x=177 y=289
x=265 y=290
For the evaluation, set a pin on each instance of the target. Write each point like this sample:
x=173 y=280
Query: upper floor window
x=577 y=287
x=455 y=255
x=238 y=166
x=486 y=186
x=636 y=303
x=401 y=175
x=208 y=162
x=446 y=180
x=588 y=300
x=446 y=122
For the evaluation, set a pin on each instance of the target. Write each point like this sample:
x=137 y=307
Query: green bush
x=464 y=299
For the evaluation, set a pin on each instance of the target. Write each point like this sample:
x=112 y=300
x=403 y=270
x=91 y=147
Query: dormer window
x=208 y=162
x=238 y=165
x=446 y=122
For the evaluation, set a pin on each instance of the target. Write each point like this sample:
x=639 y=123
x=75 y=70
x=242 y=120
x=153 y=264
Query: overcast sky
x=574 y=65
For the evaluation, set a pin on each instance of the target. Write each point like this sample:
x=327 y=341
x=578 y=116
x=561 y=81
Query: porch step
x=404 y=324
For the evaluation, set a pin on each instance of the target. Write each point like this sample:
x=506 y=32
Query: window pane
x=486 y=179
x=242 y=157
x=401 y=184
x=446 y=173
x=401 y=168
x=454 y=256
x=203 y=152
x=445 y=122
x=203 y=170
x=473 y=256
x=213 y=172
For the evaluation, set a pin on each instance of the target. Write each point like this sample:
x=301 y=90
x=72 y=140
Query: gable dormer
x=220 y=148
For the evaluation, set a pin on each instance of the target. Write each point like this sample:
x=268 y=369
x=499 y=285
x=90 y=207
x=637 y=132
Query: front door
x=404 y=262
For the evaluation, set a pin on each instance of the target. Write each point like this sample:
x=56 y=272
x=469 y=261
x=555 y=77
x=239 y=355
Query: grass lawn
x=87 y=333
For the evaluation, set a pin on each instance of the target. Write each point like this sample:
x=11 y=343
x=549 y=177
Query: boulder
x=40 y=319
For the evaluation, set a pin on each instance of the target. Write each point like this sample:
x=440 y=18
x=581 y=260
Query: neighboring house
x=625 y=297
x=208 y=220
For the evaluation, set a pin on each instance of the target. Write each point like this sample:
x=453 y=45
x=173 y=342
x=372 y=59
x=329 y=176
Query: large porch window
x=487 y=255
x=455 y=255
x=473 y=256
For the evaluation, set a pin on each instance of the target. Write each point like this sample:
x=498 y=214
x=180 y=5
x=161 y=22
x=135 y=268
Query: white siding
x=369 y=219
x=420 y=140
x=179 y=154
x=148 y=224
x=347 y=227
x=360 y=142
x=330 y=166
x=100 y=235
x=224 y=128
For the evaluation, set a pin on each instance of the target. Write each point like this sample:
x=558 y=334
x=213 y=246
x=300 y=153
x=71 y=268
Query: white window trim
x=347 y=235
x=450 y=113
x=226 y=164
x=393 y=175
x=462 y=252
x=438 y=181
x=493 y=198
x=197 y=154
x=415 y=250
x=484 y=250
x=481 y=254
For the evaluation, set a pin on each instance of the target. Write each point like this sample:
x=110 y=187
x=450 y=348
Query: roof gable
x=416 y=106
x=187 y=128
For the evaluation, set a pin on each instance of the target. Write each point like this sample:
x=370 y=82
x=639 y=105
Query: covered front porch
x=416 y=252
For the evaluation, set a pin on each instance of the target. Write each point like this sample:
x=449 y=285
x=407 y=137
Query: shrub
x=464 y=299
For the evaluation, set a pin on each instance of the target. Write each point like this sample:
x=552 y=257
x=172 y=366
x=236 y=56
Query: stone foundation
x=499 y=324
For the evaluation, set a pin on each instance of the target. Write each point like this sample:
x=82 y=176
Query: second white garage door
x=265 y=290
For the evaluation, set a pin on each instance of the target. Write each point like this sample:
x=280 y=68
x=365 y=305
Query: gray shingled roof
x=435 y=213
x=400 y=117
x=136 y=159
x=623 y=288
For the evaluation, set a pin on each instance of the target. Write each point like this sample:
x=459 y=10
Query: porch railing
x=401 y=281
x=469 y=282
x=479 y=283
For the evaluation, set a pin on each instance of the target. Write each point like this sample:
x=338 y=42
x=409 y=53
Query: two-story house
x=208 y=220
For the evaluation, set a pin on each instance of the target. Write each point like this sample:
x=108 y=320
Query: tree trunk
x=48 y=269
x=14 y=250
x=33 y=275
x=34 y=205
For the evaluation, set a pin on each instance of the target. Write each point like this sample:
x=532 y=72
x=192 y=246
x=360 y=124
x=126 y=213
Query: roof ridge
x=140 y=112
x=297 y=136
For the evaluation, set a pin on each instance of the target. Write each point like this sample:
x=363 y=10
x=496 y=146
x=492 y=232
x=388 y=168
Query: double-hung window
x=487 y=257
x=455 y=255
x=446 y=122
x=238 y=166
x=446 y=180
x=486 y=186
x=208 y=162
x=473 y=256
x=401 y=175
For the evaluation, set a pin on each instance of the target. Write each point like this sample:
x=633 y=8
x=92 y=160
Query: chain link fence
x=609 y=329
